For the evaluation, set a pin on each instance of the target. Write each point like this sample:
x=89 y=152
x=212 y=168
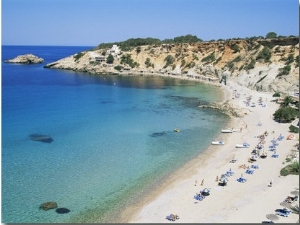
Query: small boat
x=217 y=142
x=244 y=145
x=176 y=130
x=227 y=130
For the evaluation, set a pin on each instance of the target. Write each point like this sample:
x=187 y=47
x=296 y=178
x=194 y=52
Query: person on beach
x=271 y=183
x=202 y=183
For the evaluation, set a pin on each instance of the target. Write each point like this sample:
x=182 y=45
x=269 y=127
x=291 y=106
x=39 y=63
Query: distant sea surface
x=113 y=137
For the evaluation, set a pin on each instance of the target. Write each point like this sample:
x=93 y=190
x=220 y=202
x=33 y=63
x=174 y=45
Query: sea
x=113 y=137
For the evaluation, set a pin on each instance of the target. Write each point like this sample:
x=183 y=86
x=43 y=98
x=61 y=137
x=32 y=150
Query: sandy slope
x=237 y=202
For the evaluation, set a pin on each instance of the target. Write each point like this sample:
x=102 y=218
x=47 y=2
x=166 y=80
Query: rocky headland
x=25 y=59
x=266 y=65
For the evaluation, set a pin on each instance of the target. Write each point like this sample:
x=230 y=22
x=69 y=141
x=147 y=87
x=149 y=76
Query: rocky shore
x=25 y=59
x=264 y=65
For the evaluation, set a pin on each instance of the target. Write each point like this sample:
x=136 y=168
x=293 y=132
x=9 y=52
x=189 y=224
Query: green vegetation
x=110 y=59
x=148 y=63
x=235 y=48
x=264 y=54
x=138 y=49
x=191 y=64
x=209 y=58
x=284 y=71
x=276 y=94
x=285 y=114
x=290 y=59
x=118 y=67
x=135 y=42
x=169 y=60
x=293 y=129
x=271 y=35
x=126 y=59
x=250 y=65
x=78 y=56
x=297 y=61
x=292 y=168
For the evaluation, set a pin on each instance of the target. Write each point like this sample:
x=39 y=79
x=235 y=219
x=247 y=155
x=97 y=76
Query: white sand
x=237 y=202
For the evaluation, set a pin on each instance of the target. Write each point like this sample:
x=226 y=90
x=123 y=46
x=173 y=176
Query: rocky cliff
x=262 y=64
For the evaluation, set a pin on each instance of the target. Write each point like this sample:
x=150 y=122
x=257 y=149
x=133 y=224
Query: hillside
x=261 y=64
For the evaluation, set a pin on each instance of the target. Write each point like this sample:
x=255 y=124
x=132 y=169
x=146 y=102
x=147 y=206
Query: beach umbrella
x=272 y=217
x=286 y=204
x=295 y=192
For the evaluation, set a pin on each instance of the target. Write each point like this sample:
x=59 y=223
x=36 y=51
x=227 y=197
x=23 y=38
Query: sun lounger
x=254 y=166
x=249 y=171
x=275 y=156
x=241 y=180
x=199 y=197
x=233 y=161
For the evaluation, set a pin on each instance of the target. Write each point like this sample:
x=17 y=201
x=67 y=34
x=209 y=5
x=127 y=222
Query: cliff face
x=264 y=64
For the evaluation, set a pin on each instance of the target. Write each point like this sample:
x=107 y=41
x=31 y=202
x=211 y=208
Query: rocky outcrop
x=25 y=59
x=48 y=205
x=228 y=109
x=241 y=60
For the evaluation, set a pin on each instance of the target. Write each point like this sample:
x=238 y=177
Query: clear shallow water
x=113 y=136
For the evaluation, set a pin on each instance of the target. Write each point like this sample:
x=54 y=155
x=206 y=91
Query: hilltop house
x=94 y=57
x=114 y=51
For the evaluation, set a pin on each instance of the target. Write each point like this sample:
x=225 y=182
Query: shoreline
x=175 y=195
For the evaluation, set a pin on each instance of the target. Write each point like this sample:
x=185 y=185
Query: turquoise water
x=113 y=136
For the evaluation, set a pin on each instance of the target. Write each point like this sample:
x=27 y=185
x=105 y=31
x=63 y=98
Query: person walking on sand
x=202 y=182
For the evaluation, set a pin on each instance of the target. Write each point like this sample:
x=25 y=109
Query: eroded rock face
x=25 y=59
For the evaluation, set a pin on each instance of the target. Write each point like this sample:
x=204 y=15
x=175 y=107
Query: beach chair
x=199 y=197
x=241 y=180
x=254 y=166
x=249 y=171
x=275 y=156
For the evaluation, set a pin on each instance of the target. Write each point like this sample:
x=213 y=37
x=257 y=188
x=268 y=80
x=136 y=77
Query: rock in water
x=41 y=138
x=25 y=59
x=62 y=210
x=48 y=205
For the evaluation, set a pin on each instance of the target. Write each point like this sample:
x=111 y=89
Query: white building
x=114 y=51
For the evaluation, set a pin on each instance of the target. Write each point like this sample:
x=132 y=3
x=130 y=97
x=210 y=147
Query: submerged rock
x=25 y=59
x=41 y=138
x=62 y=210
x=48 y=205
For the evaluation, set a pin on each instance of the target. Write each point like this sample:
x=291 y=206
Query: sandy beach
x=237 y=202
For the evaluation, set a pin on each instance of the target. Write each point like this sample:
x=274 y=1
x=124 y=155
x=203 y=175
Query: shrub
x=209 y=58
x=78 y=56
x=264 y=54
x=148 y=63
x=169 y=60
x=292 y=168
x=138 y=49
x=285 y=114
x=284 y=71
x=271 y=35
x=297 y=61
x=293 y=129
x=250 y=65
x=118 y=67
x=110 y=59
x=276 y=94
x=235 y=48
x=290 y=59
